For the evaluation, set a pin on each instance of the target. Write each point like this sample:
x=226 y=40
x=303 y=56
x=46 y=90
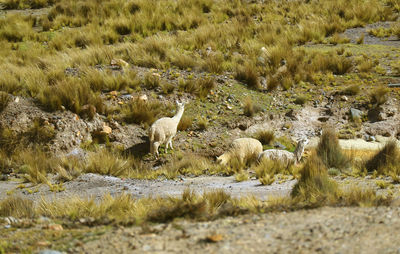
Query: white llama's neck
x=179 y=114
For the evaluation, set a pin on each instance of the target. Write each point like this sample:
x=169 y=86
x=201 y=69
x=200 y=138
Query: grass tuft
x=17 y=207
x=379 y=95
x=248 y=74
x=249 y=109
x=265 y=136
x=4 y=100
x=185 y=123
x=386 y=160
x=330 y=152
x=351 y=90
x=314 y=186
x=142 y=112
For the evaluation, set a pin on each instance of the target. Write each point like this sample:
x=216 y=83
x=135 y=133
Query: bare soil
x=323 y=230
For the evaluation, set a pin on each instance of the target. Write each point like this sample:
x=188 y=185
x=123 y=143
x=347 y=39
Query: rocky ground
x=323 y=230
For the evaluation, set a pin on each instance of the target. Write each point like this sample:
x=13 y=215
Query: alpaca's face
x=180 y=105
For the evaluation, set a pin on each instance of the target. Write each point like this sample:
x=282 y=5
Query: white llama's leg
x=169 y=142
x=155 y=148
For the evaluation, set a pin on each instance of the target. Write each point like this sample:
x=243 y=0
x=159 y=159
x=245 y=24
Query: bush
x=249 y=109
x=17 y=207
x=152 y=81
x=71 y=94
x=4 y=100
x=139 y=111
x=351 y=90
x=248 y=74
x=314 y=186
x=300 y=100
x=265 y=136
x=379 y=95
x=39 y=133
x=385 y=160
x=202 y=123
x=204 y=86
x=105 y=162
x=185 y=123
x=267 y=169
x=330 y=152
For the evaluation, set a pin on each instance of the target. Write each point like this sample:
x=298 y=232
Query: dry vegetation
x=62 y=59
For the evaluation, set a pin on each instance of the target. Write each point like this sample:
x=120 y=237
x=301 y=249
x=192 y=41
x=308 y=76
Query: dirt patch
x=354 y=33
x=325 y=230
x=92 y=185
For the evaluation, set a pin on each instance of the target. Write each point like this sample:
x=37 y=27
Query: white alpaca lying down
x=242 y=148
x=284 y=156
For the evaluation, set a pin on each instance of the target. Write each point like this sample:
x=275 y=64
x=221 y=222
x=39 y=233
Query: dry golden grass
x=17 y=207
x=330 y=152
x=248 y=75
x=185 y=123
x=265 y=136
x=379 y=95
x=351 y=90
x=314 y=186
x=4 y=100
x=249 y=109
x=386 y=160
x=142 y=112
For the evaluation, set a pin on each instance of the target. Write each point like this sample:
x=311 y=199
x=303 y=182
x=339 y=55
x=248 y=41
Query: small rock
x=49 y=252
x=43 y=243
x=126 y=97
x=146 y=247
x=16 y=100
x=107 y=129
x=355 y=113
x=56 y=227
x=119 y=63
x=214 y=238
x=344 y=98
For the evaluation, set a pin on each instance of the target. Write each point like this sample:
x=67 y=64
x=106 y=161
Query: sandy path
x=92 y=185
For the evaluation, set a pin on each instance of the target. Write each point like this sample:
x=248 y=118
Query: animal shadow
x=140 y=149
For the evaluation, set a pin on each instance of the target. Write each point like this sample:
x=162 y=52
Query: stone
x=127 y=97
x=78 y=153
x=107 y=129
x=49 y=252
x=56 y=227
x=355 y=113
x=119 y=63
x=344 y=98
